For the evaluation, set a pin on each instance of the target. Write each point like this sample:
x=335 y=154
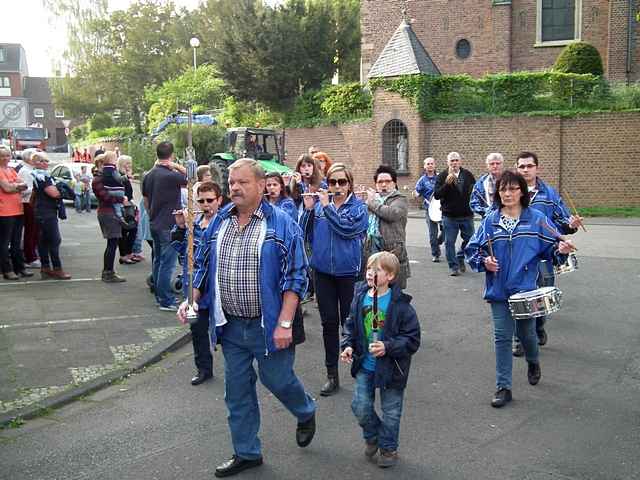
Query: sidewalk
x=61 y=339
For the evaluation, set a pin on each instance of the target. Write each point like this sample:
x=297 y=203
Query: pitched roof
x=403 y=54
x=15 y=60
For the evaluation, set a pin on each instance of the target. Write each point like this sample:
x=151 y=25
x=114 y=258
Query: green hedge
x=500 y=93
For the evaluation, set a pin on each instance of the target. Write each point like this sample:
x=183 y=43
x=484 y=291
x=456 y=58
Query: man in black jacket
x=453 y=189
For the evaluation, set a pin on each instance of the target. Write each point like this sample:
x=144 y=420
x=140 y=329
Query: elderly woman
x=125 y=244
x=336 y=226
x=276 y=194
x=11 y=218
x=508 y=246
x=109 y=224
x=47 y=208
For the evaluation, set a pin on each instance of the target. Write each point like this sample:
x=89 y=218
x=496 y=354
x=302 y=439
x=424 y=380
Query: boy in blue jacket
x=379 y=337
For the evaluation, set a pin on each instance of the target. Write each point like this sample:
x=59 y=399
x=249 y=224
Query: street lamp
x=195 y=43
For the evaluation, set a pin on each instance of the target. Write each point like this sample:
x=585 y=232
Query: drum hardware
x=571 y=265
x=536 y=303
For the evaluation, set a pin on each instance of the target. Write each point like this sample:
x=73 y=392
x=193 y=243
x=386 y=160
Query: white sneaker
x=34 y=264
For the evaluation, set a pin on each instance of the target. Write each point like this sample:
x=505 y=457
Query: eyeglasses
x=527 y=166
x=208 y=200
x=510 y=189
x=343 y=182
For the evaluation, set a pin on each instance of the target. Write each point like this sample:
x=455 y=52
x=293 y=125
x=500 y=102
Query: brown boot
x=59 y=274
x=46 y=273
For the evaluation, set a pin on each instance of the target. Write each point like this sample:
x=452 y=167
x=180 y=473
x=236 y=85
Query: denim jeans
x=432 y=228
x=77 y=202
x=383 y=431
x=164 y=263
x=243 y=342
x=452 y=226
x=503 y=327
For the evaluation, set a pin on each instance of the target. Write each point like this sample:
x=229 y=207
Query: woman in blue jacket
x=276 y=193
x=335 y=226
x=520 y=238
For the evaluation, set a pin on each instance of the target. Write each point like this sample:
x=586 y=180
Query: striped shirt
x=239 y=266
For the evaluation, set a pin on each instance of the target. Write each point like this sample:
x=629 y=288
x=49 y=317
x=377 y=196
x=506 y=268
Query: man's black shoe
x=331 y=387
x=501 y=398
x=306 y=431
x=534 y=373
x=236 y=465
x=542 y=336
x=201 y=377
x=517 y=349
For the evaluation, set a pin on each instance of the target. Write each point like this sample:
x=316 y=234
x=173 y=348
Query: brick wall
x=502 y=36
x=593 y=157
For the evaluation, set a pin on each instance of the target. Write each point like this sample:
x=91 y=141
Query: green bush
x=115 y=133
x=626 y=96
x=500 y=94
x=142 y=151
x=347 y=99
x=206 y=140
x=100 y=121
x=581 y=58
x=78 y=133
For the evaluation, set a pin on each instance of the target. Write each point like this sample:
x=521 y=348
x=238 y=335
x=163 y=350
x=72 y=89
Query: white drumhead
x=435 y=213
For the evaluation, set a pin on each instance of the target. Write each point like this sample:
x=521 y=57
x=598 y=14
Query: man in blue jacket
x=425 y=188
x=252 y=266
x=484 y=190
x=545 y=199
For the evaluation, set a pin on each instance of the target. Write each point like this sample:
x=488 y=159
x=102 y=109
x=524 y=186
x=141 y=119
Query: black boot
x=333 y=383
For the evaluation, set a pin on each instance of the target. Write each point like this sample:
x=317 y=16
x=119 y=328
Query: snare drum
x=570 y=265
x=435 y=213
x=536 y=303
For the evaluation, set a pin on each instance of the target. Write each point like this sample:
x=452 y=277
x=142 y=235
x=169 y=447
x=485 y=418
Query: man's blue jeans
x=243 y=342
x=385 y=431
x=503 y=327
x=164 y=263
x=432 y=228
x=453 y=225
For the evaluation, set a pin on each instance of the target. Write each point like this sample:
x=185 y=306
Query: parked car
x=64 y=176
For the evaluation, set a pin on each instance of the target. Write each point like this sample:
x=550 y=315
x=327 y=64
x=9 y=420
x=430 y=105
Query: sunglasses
x=343 y=182
x=208 y=200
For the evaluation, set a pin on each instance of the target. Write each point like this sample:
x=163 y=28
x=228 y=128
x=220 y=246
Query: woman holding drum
x=508 y=246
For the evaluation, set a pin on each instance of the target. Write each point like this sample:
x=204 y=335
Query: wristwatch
x=286 y=324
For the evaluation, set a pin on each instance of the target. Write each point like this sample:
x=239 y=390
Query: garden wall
x=595 y=157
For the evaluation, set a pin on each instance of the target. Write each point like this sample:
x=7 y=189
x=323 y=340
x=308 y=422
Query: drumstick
x=555 y=234
x=573 y=206
x=490 y=245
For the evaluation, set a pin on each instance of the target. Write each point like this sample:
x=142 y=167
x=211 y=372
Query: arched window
x=395 y=146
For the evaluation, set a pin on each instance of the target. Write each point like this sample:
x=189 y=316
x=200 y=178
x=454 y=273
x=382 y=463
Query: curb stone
x=147 y=358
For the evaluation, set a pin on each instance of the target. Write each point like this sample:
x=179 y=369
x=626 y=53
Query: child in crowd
x=379 y=337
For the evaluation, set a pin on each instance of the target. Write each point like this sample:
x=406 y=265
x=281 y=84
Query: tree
x=201 y=89
x=121 y=54
x=272 y=54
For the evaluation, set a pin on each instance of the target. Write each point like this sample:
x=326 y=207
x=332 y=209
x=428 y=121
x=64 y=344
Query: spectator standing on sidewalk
x=11 y=217
x=109 y=224
x=48 y=207
x=82 y=190
x=161 y=192
x=30 y=237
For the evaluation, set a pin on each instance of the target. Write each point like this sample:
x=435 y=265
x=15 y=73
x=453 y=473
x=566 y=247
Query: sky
x=43 y=38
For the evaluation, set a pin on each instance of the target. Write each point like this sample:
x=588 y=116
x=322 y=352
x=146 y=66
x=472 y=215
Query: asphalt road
x=580 y=422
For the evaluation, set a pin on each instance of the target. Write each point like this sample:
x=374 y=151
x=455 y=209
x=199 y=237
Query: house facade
x=490 y=36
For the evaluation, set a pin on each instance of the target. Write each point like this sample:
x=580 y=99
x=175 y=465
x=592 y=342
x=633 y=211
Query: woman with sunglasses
x=335 y=225
x=509 y=245
x=276 y=193
x=209 y=199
